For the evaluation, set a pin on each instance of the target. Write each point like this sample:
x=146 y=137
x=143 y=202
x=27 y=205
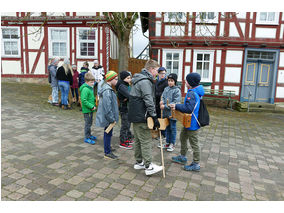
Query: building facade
x=29 y=41
x=243 y=52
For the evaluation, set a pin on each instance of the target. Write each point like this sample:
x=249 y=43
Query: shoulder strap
x=194 y=109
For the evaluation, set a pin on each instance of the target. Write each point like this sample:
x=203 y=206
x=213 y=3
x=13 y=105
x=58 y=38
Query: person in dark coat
x=74 y=87
x=123 y=90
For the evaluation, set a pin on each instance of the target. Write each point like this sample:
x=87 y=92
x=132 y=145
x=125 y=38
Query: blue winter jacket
x=191 y=99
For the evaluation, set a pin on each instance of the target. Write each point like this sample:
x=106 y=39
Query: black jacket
x=159 y=89
x=123 y=95
x=61 y=76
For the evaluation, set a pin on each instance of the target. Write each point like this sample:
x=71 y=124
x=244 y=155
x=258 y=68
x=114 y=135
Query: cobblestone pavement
x=44 y=157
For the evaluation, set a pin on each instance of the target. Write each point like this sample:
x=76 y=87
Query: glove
x=156 y=123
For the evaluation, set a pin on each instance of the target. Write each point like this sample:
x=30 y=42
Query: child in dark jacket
x=83 y=72
x=171 y=94
x=123 y=90
x=191 y=105
x=88 y=106
x=74 y=87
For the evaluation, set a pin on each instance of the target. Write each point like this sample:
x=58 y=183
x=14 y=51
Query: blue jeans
x=107 y=141
x=64 y=88
x=171 y=132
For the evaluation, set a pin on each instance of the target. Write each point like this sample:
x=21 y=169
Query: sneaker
x=93 y=137
x=152 y=169
x=110 y=156
x=179 y=159
x=139 y=165
x=55 y=104
x=131 y=141
x=125 y=145
x=88 y=140
x=112 y=149
x=192 y=167
x=171 y=148
x=165 y=146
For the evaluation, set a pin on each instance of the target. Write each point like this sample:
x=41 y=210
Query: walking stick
x=162 y=152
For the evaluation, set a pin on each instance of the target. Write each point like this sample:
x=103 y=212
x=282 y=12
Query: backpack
x=203 y=115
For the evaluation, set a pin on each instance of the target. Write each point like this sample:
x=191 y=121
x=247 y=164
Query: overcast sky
x=139 y=41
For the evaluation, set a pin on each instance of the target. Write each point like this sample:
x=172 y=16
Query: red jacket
x=75 y=79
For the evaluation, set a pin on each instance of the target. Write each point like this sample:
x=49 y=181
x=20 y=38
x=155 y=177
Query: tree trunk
x=123 y=55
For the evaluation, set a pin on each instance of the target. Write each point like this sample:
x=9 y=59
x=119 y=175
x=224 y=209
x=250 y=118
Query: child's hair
x=89 y=77
x=86 y=63
x=151 y=63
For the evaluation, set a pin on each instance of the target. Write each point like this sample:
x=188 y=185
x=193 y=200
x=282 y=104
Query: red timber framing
x=70 y=21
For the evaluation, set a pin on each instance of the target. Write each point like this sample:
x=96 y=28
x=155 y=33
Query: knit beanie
x=110 y=75
x=124 y=74
x=173 y=76
x=162 y=69
x=193 y=79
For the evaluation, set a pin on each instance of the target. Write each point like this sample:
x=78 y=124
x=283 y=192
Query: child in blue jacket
x=191 y=105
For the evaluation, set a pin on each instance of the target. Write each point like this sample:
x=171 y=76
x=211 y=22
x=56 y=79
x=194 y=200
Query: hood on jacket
x=144 y=74
x=119 y=83
x=105 y=86
x=85 y=85
x=199 y=90
x=96 y=68
x=84 y=69
x=51 y=65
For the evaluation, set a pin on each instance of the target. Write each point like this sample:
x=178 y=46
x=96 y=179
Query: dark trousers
x=77 y=94
x=125 y=133
x=107 y=141
x=88 y=117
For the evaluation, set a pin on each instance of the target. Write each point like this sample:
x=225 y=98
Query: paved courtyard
x=43 y=157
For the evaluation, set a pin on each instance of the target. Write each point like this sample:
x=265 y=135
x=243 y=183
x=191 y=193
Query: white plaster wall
x=158 y=28
x=186 y=72
x=32 y=57
x=280 y=76
x=177 y=30
x=232 y=74
x=40 y=68
x=243 y=27
x=281 y=31
x=205 y=30
x=265 y=32
x=251 y=15
x=101 y=62
x=216 y=87
x=280 y=92
x=35 y=37
x=189 y=28
x=241 y=14
x=11 y=67
x=158 y=14
x=221 y=33
x=159 y=55
x=234 y=57
x=188 y=55
x=281 y=59
x=86 y=13
x=217 y=74
x=73 y=37
x=56 y=13
x=236 y=89
x=218 y=56
x=250 y=30
x=233 y=30
x=9 y=14
x=101 y=38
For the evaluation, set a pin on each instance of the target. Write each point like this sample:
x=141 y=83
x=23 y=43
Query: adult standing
x=141 y=106
x=64 y=76
x=52 y=68
x=98 y=71
x=75 y=85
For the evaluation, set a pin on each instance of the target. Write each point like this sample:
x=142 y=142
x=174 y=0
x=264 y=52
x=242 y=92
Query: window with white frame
x=10 y=42
x=87 y=42
x=175 y=17
x=203 y=64
x=173 y=62
x=206 y=17
x=268 y=18
x=58 y=42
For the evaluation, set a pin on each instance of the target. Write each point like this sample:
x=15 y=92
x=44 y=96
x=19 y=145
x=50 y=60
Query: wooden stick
x=110 y=127
x=162 y=155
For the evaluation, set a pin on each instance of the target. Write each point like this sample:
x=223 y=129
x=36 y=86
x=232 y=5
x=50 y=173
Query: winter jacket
x=52 y=70
x=82 y=74
x=191 y=99
x=87 y=98
x=160 y=85
x=61 y=76
x=173 y=94
x=123 y=90
x=75 y=79
x=98 y=73
x=107 y=110
x=142 y=97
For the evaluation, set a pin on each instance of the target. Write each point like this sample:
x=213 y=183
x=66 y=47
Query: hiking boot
x=171 y=148
x=139 y=165
x=93 y=137
x=89 y=140
x=152 y=169
x=179 y=159
x=110 y=156
x=192 y=167
x=125 y=145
